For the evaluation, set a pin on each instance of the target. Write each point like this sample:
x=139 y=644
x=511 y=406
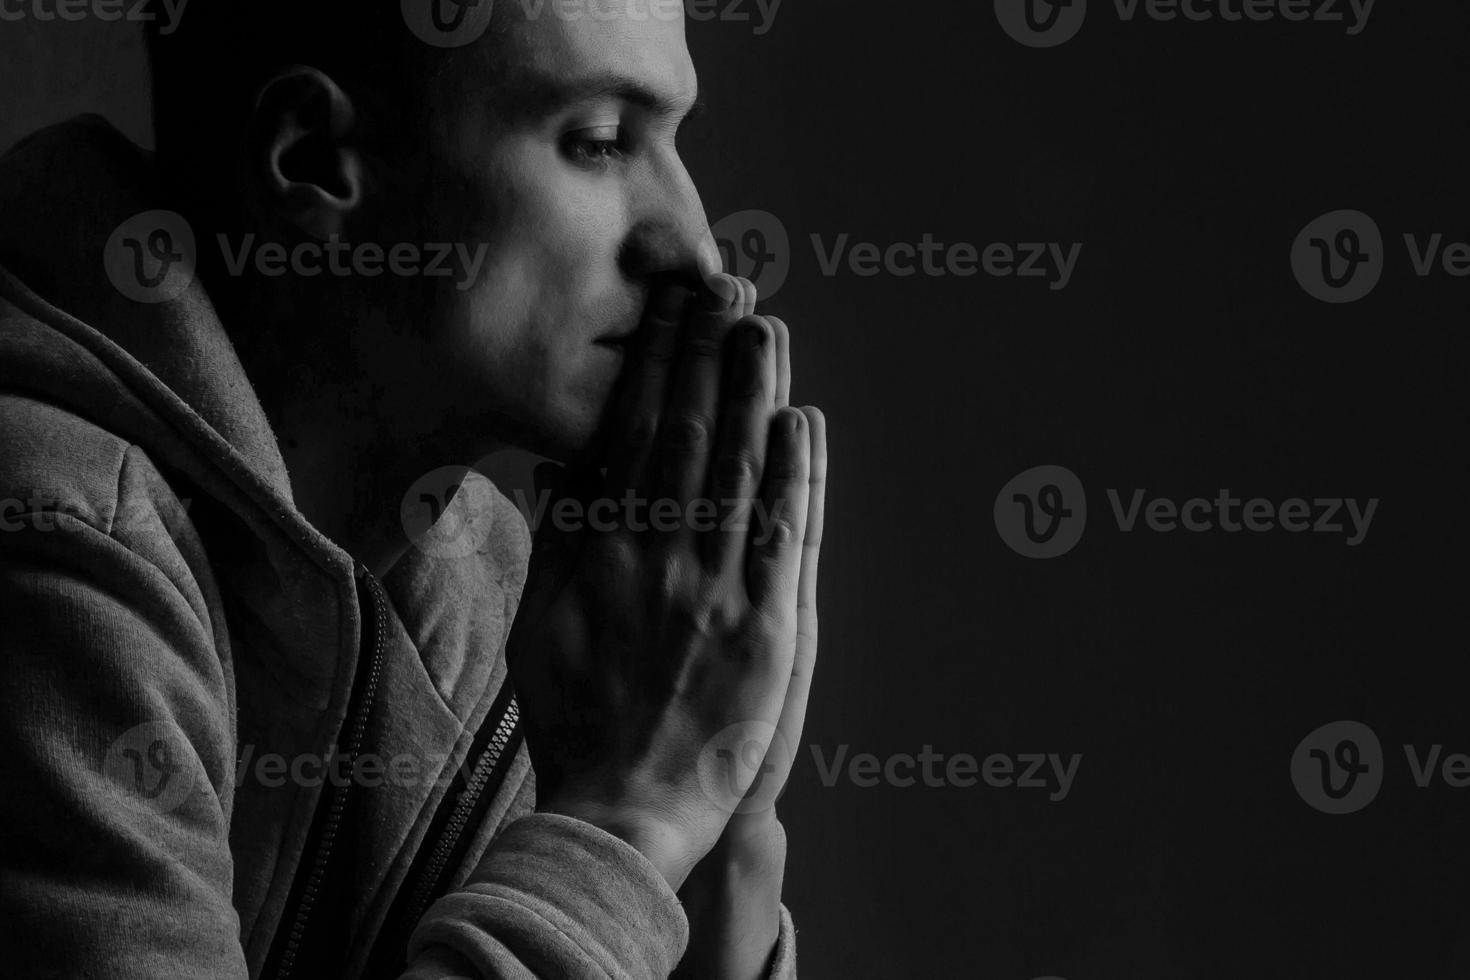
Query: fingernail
x=755 y=333
x=722 y=292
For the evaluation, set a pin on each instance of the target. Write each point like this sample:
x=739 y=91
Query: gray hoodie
x=225 y=749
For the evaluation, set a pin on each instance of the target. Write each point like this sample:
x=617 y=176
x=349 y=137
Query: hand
x=633 y=649
x=733 y=896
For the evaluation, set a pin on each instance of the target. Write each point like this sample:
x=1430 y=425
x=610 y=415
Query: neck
x=353 y=438
x=342 y=479
x=345 y=460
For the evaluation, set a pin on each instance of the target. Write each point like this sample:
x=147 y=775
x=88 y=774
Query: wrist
x=752 y=847
x=664 y=845
x=733 y=900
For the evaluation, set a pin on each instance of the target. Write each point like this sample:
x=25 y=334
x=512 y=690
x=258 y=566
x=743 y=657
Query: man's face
x=554 y=145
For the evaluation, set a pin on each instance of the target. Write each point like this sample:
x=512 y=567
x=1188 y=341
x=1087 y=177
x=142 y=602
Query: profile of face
x=552 y=148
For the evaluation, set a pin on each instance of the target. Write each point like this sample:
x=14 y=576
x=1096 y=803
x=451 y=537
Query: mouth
x=622 y=340
x=629 y=324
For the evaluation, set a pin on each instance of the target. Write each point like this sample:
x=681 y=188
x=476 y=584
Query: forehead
x=640 y=41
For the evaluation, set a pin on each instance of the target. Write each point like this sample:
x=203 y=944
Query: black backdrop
x=1182 y=358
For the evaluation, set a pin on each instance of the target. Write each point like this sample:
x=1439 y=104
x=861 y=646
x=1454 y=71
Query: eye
x=597 y=146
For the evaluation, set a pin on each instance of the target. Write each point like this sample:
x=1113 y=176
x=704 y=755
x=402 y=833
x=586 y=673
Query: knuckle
x=638 y=435
x=735 y=472
x=704 y=343
x=686 y=434
x=708 y=617
x=726 y=616
x=613 y=557
x=784 y=468
x=780 y=534
x=657 y=354
x=669 y=581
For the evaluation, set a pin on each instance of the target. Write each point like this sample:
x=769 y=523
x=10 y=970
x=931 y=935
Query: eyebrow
x=531 y=94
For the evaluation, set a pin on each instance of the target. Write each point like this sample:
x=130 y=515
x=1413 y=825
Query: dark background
x=1182 y=359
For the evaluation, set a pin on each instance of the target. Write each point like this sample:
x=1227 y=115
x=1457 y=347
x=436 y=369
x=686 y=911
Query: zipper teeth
x=339 y=799
x=463 y=807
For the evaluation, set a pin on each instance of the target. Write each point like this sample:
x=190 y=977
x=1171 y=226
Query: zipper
x=428 y=887
x=329 y=826
x=450 y=832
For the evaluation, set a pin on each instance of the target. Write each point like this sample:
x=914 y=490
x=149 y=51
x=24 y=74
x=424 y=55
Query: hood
x=63 y=192
x=164 y=376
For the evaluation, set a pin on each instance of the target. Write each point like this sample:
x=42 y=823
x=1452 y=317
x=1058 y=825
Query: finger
x=554 y=549
x=774 y=562
x=783 y=361
x=811 y=546
x=685 y=434
x=740 y=450
x=748 y=296
x=793 y=713
x=639 y=404
x=782 y=753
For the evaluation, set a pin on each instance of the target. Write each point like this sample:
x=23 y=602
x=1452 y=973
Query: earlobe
x=301 y=135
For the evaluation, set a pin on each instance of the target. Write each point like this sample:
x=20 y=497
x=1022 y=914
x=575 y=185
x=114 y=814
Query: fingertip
x=816 y=418
x=783 y=359
x=722 y=291
x=754 y=331
x=790 y=422
x=748 y=296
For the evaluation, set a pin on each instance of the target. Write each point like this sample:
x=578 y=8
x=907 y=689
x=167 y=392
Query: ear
x=303 y=153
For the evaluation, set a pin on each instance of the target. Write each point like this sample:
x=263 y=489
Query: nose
x=670 y=239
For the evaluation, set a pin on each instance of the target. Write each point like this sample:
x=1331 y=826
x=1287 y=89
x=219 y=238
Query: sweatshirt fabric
x=225 y=749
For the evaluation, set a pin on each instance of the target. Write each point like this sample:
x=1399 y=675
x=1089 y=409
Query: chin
x=569 y=434
x=563 y=422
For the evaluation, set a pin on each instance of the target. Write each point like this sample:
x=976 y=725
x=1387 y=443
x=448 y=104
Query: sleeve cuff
x=783 y=958
x=564 y=899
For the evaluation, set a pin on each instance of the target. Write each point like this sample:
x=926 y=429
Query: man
x=256 y=716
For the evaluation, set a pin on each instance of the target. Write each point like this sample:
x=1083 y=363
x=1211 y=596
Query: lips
x=632 y=317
